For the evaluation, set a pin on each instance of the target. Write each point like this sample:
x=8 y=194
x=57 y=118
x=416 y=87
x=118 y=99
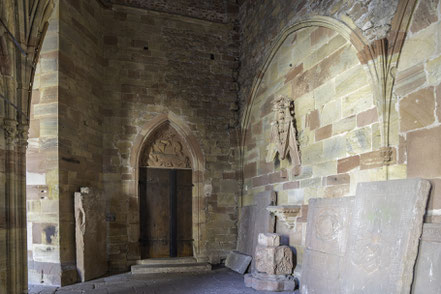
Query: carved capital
x=10 y=130
x=23 y=134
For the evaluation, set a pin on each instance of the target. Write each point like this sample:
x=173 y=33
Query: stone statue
x=283 y=131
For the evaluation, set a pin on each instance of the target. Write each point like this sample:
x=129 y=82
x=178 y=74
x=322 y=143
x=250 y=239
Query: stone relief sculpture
x=165 y=150
x=283 y=132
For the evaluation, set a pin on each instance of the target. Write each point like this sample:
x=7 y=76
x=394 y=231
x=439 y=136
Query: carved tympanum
x=165 y=150
x=283 y=132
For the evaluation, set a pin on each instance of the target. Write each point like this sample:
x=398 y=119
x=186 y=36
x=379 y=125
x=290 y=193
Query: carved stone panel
x=165 y=149
x=383 y=237
x=283 y=132
x=326 y=239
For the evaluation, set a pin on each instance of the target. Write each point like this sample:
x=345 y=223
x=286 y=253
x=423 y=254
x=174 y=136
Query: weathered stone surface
x=264 y=282
x=428 y=266
x=383 y=236
x=326 y=240
x=274 y=260
x=425 y=164
x=238 y=262
x=90 y=234
x=269 y=239
x=417 y=110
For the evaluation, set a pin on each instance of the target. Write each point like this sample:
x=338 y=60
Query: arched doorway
x=165 y=196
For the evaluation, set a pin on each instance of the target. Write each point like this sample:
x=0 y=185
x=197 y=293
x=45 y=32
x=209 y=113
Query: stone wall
x=65 y=138
x=162 y=64
x=336 y=119
x=42 y=165
x=337 y=106
x=417 y=97
x=80 y=115
x=262 y=21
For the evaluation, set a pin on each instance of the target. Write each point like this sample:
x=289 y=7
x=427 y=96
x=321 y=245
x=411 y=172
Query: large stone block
x=90 y=234
x=383 y=236
x=238 y=262
x=428 y=266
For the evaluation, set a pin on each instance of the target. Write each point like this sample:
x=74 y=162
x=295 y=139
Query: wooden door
x=184 y=188
x=165 y=212
x=154 y=212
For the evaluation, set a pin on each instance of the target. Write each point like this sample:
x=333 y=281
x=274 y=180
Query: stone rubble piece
x=273 y=265
x=238 y=262
x=90 y=234
x=428 y=266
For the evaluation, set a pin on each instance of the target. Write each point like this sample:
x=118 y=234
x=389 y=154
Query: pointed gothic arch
x=197 y=163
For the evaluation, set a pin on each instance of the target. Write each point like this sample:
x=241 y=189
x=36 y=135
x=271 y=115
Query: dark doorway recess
x=165 y=201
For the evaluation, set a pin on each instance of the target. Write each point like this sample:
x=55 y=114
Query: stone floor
x=222 y=281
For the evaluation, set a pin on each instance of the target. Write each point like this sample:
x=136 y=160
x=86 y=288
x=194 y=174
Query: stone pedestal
x=90 y=234
x=273 y=266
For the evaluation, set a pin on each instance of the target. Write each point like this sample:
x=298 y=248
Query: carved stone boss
x=165 y=150
x=283 y=131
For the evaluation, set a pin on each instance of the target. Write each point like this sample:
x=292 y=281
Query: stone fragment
x=274 y=260
x=326 y=239
x=428 y=266
x=238 y=262
x=90 y=234
x=383 y=236
x=269 y=239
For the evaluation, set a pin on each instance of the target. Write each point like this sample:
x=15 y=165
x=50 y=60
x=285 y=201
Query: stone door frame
x=197 y=160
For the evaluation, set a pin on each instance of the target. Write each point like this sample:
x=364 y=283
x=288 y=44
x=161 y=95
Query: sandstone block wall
x=80 y=115
x=417 y=97
x=160 y=63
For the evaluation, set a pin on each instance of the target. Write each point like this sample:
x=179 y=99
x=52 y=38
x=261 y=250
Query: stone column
x=13 y=208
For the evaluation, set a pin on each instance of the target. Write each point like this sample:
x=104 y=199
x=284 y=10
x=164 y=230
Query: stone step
x=168 y=260
x=170 y=268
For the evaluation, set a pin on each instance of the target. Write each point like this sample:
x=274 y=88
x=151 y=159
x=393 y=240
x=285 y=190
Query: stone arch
x=365 y=54
x=197 y=162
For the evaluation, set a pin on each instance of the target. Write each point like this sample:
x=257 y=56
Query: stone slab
x=428 y=266
x=246 y=230
x=383 y=236
x=238 y=262
x=326 y=240
x=90 y=234
x=255 y=219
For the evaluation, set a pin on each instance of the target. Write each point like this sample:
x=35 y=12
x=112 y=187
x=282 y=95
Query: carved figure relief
x=165 y=150
x=283 y=132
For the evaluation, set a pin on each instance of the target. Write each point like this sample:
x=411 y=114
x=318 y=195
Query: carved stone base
x=265 y=282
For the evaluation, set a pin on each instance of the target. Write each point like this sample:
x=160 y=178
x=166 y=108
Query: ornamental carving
x=165 y=150
x=283 y=132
